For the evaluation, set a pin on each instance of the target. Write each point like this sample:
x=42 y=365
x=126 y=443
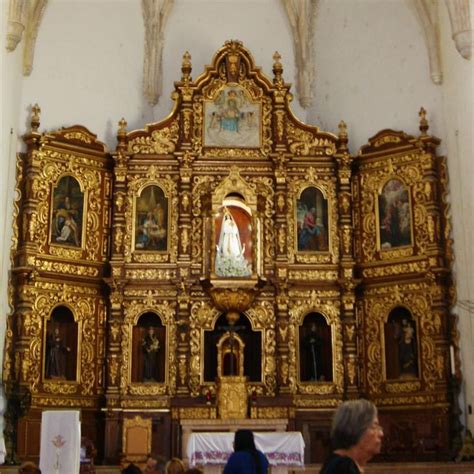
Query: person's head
x=29 y=468
x=151 y=462
x=174 y=466
x=131 y=469
x=356 y=424
x=151 y=330
x=243 y=441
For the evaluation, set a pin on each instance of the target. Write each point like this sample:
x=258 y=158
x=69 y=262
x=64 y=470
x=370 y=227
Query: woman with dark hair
x=246 y=458
x=356 y=437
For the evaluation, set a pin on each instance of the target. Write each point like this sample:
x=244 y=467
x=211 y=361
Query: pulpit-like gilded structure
x=232 y=399
x=232 y=226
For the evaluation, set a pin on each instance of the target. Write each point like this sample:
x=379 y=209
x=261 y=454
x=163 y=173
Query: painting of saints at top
x=394 y=215
x=233 y=243
x=151 y=220
x=67 y=212
x=232 y=120
x=312 y=221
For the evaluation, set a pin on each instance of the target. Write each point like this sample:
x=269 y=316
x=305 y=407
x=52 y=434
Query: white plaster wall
x=372 y=70
x=458 y=113
x=11 y=87
x=89 y=56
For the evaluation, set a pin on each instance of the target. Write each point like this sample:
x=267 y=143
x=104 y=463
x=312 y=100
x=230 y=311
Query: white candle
x=453 y=363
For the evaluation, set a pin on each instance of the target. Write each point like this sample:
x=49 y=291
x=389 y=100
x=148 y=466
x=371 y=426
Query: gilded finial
x=35 y=118
x=186 y=66
x=343 y=137
x=342 y=129
x=277 y=68
x=424 y=125
x=122 y=131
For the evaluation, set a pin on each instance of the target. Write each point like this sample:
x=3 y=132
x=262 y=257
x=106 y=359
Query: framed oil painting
x=67 y=213
x=312 y=221
x=233 y=242
x=232 y=120
x=151 y=220
x=394 y=215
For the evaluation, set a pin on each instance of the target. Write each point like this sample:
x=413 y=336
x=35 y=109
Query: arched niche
x=230 y=355
x=248 y=338
x=61 y=344
x=234 y=238
x=394 y=215
x=148 y=349
x=235 y=219
x=401 y=346
x=151 y=219
x=315 y=349
x=67 y=213
x=312 y=221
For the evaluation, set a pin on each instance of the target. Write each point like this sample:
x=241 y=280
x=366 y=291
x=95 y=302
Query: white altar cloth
x=60 y=442
x=281 y=448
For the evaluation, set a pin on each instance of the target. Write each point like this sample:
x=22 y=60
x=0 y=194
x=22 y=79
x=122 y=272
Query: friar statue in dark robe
x=150 y=346
x=56 y=352
x=313 y=344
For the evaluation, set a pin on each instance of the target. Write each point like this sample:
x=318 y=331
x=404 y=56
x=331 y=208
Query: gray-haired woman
x=356 y=437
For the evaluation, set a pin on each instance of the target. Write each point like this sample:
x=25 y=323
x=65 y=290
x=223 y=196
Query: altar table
x=211 y=450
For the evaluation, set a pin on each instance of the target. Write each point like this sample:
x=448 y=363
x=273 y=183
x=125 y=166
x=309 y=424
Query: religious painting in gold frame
x=67 y=213
x=312 y=221
x=394 y=215
x=232 y=120
x=151 y=218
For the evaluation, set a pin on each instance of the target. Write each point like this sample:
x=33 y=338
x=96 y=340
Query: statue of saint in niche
x=405 y=336
x=151 y=346
x=230 y=255
x=313 y=345
x=56 y=351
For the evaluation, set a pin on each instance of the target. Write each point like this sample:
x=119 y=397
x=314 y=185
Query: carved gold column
x=24 y=272
x=347 y=282
x=281 y=223
x=116 y=284
x=185 y=159
x=18 y=339
x=433 y=190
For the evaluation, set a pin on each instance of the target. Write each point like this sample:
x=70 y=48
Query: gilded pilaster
x=347 y=263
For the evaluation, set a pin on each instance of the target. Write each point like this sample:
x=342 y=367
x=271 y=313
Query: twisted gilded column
x=347 y=281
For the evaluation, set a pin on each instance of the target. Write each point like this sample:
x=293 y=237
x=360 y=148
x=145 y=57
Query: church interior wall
x=458 y=116
x=371 y=71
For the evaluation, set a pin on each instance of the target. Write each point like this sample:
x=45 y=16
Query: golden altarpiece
x=230 y=262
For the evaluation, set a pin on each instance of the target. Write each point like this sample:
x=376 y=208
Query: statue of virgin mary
x=230 y=259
